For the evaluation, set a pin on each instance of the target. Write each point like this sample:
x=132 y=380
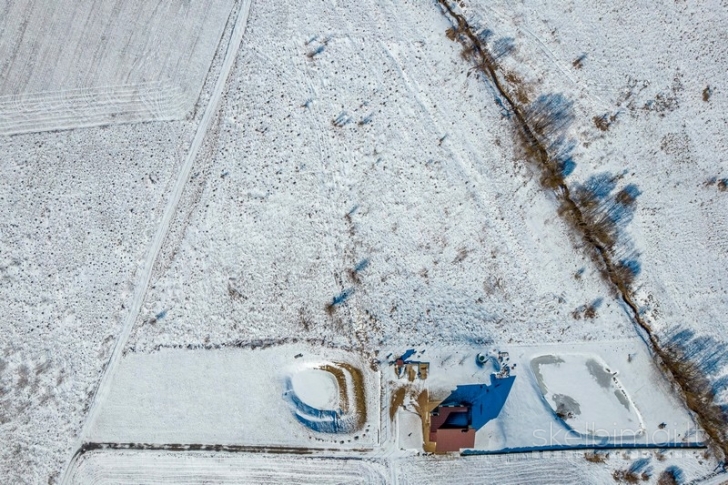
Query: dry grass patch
x=360 y=403
x=397 y=401
x=596 y=457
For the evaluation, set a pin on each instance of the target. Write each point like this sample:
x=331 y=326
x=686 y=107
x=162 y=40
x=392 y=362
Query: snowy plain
x=137 y=467
x=360 y=177
x=75 y=64
x=79 y=210
x=228 y=397
x=358 y=190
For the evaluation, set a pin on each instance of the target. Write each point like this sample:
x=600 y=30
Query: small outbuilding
x=403 y=366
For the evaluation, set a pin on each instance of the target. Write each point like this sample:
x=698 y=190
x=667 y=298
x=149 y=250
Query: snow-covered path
x=169 y=213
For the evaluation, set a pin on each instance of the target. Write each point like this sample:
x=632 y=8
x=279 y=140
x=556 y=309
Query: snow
x=228 y=396
x=197 y=468
x=542 y=468
x=316 y=388
x=73 y=64
x=583 y=387
x=461 y=242
x=172 y=205
x=409 y=430
x=528 y=419
x=658 y=71
x=204 y=468
x=351 y=189
x=70 y=246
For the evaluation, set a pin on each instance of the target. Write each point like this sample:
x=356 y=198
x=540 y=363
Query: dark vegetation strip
x=247 y=344
x=532 y=131
x=584 y=447
x=93 y=446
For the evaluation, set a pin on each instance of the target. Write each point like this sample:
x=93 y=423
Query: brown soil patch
x=360 y=403
x=397 y=401
x=707 y=92
x=595 y=457
x=423 y=408
x=341 y=382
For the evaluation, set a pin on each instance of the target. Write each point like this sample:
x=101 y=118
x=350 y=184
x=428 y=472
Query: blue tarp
x=409 y=353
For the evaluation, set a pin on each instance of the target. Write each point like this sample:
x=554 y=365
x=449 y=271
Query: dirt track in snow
x=169 y=213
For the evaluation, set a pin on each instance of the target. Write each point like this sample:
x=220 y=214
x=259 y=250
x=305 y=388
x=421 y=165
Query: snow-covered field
x=346 y=185
x=361 y=178
x=549 y=468
x=131 y=467
x=78 y=210
x=121 y=468
x=69 y=64
x=228 y=397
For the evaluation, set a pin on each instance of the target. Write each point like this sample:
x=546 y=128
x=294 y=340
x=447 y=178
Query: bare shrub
x=672 y=475
x=452 y=33
x=707 y=92
x=590 y=312
x=604 y=121
x=467 y=52
x=304 y=319
x=628 y=476
x=596 y=457
x=626 y=197
x=233 y=292
x=519 y=87
x=550 y=114
x=23 y=373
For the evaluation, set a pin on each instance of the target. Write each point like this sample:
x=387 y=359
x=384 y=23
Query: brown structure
x=424 y=368
x=450 y=428
x=412 y=370
x=454 y=439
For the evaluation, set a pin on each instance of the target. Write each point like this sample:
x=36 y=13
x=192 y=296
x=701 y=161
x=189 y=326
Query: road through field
x=169 y=212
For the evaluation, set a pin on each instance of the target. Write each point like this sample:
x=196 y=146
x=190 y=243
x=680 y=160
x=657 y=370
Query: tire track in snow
x=158 y=467
x=466 y=170
x=555 y=60
x=163 y=228
x=331 y=185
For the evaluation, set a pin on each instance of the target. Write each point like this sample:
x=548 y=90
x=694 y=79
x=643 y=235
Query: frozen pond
x=585 y=393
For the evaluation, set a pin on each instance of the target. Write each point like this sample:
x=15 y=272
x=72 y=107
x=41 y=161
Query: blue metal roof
x=485 y=401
